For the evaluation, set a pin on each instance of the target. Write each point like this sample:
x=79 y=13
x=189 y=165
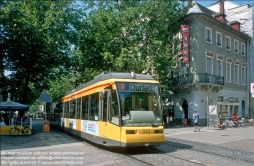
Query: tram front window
x=140 y=104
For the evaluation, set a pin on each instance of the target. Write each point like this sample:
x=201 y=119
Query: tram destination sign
x=138 y=86
x=143 y=87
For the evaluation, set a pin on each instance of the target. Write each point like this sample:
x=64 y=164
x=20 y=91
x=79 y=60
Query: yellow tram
x=104 y=110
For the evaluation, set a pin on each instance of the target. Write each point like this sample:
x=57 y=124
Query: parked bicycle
x=251 y=122
x=229 y=123
x=243 y=122
x=25 y=130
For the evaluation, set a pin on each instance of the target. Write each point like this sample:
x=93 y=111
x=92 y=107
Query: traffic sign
x=44 y=97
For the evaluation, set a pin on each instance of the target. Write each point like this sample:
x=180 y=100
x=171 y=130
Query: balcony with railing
x=194 y=78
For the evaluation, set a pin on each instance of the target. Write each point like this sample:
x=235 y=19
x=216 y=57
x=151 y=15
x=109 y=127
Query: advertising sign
x=185 y=43
x=252 y=88
x=89 y=127
x=185 y=29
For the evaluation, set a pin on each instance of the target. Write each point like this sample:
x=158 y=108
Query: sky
x=209 y=2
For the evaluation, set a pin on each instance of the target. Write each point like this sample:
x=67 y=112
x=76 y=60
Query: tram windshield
x=140 y=104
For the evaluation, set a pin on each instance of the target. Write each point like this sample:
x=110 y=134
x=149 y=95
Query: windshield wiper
x=153 y=125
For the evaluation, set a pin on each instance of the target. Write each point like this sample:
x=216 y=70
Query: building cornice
x=213 y=21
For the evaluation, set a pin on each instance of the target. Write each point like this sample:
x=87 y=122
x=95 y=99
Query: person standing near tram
x=196 y=120
x=183 y=118
x=165 y=119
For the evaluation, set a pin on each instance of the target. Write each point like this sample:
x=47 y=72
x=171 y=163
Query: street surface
x=231 y=146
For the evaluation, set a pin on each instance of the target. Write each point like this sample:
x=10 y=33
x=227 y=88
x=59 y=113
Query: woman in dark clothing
x=165 y=119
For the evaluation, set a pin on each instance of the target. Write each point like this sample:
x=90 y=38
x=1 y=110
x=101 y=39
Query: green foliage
x=37 y=36
x=55 y=45
x=131 y=36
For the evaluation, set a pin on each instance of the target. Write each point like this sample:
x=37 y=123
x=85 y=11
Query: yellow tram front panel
x=131 y=135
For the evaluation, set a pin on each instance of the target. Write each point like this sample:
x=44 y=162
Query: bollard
x=45 y=127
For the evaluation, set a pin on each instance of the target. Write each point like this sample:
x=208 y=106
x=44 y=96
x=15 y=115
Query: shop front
x=228 y=106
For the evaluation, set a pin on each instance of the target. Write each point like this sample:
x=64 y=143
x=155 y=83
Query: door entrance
x=185 y=108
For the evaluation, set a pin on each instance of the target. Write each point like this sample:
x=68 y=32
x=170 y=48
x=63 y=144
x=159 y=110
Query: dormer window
x=208 y=35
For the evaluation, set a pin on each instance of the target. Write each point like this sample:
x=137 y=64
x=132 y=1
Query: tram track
x=213 y=154
x=166 y=157
x=196 y=162
x=231 y=154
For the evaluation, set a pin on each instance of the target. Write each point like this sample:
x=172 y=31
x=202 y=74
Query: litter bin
x=45 y=126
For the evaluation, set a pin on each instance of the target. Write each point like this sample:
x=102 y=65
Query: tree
x=38 y=36
x=131 y=36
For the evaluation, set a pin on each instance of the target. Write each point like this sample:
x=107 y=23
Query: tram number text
x=146 y=131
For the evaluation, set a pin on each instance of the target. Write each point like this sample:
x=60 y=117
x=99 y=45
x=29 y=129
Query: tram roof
x=110 y=75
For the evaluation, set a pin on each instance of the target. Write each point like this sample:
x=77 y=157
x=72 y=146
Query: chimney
x=221 y=16
x=221 y=6
x=235 y=25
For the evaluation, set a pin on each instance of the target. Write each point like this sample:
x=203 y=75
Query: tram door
x=104 y=111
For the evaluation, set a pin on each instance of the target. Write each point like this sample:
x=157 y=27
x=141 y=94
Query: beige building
x=216 y=75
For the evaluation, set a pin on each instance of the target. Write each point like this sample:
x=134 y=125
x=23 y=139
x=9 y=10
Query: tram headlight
x=130 y=131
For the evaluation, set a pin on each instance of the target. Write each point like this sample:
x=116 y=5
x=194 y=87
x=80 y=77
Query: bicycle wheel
x=14 y=131
x=27 y=131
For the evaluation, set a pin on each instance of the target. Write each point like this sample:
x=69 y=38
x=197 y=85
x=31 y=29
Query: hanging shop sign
x=185 y=43
x=252 y=88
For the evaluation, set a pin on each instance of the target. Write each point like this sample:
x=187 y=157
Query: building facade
x=216 y=72
x=244 y=15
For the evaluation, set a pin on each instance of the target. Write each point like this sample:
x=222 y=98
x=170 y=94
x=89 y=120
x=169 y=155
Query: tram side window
x=66 y=110
x=114 y=117
x=60 y=110
x=73 y=108
x=94 y=102
x=85 y=108
x=78 y=108
x=105 y=101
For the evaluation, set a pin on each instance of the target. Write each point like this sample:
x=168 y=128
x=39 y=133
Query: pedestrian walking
x=183 y=118
x=165 y=119
x=171 y=121
x=172 y=114
x=196 y=120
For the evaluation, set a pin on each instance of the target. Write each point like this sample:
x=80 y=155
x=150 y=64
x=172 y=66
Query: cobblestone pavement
x=213 y=147
x=182 y=147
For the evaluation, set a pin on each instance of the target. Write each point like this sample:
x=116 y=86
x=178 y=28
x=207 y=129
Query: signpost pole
x=44 y=97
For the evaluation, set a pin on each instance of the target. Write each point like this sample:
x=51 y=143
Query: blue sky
x=207 y=2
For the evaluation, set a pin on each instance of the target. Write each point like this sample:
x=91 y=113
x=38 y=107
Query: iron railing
x=196 y=78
